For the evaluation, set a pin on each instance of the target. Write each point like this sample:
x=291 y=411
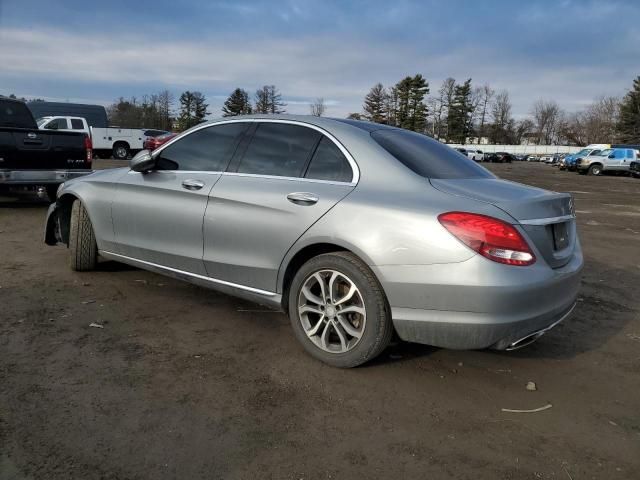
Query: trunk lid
x=546 y=217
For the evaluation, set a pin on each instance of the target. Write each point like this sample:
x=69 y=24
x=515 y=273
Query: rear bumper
x=477 y=304
x=39 y=177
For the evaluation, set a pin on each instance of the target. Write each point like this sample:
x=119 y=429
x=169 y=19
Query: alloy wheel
x=332 y=311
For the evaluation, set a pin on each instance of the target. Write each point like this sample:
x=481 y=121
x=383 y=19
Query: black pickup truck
x=38 y=159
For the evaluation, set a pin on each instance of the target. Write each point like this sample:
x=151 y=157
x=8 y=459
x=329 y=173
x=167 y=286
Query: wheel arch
x=65 y=203
x=297 y=257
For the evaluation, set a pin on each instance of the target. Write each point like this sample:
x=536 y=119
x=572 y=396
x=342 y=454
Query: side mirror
x=612 y=156
x=142 y=162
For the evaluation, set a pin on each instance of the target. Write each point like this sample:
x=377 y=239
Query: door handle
x=192 y=184
x=303 y=198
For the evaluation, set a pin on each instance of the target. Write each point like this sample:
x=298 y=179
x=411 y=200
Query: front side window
x=278 y=149
x=428 y=157
x=209 y=149
x=76 y=124
x=618 y=154
x=328 y=163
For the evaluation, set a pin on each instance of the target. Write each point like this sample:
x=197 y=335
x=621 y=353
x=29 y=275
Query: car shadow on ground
x=23 y=201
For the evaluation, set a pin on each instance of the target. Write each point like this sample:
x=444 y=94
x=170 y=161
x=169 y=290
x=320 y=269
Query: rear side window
x=427 y=157
x=328 y=163
x=57 y=124
x=208 y=149
x=76 y=124
x=279 y=149
x=629 y=153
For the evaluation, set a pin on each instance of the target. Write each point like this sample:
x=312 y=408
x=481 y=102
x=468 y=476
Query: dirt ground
x=186 y=383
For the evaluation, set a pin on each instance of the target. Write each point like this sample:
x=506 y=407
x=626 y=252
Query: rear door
x=288 y=176
x=157 y=215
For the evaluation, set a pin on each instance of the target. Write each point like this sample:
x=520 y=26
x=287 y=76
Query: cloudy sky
x=569 y=51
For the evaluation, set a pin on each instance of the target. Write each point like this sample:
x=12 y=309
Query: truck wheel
x=120 y=151
x=595 y=170
x=83 y=251
x=338 y=310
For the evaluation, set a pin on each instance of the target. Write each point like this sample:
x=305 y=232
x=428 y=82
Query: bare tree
x=486 y=95
x=269 y=100
x=501 y=117
x=547 y=117
x=439 y=109
x=318 y=107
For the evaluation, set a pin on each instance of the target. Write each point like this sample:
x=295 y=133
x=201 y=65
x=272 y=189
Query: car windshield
x=584 y=151
x=427 y=157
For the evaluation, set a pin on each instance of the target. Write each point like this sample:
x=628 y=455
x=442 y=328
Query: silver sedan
x=357 y=230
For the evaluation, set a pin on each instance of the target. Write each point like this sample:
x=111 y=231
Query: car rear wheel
x=339 y=311
x=595 y=170
x=83 y=251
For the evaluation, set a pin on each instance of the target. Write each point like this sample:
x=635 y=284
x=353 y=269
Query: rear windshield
x=428 y=157
x=15 y=114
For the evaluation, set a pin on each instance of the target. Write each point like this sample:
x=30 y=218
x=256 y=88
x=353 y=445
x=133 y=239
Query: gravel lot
x=186 y=383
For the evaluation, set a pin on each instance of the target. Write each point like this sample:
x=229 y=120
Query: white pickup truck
x=119 y=142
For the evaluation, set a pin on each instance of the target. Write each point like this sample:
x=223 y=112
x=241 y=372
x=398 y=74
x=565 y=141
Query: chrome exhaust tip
x=532 y=337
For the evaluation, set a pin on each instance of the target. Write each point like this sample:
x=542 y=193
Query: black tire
x=51 y=192
x=378 y=328
x=121 y=151
x=83 y=250
x=595 y=170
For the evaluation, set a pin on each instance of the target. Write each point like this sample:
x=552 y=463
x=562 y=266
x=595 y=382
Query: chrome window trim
x=355 y=170
x=253 y=175
x=189 y=274
x=547 y=221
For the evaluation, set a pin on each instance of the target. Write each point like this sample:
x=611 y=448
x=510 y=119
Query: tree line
x=458 y=112
x=462 y=113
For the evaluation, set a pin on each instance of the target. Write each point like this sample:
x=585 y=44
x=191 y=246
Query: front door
x=289 y=177
x=158 y=215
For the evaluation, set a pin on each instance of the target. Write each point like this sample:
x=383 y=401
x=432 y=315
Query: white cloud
x=341 y=70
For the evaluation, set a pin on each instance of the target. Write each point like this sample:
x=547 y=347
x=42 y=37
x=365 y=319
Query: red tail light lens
x=490 y=237
x=88 y=146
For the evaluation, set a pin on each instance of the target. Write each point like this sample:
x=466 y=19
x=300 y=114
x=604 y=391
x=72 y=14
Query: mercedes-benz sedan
x=356 y=230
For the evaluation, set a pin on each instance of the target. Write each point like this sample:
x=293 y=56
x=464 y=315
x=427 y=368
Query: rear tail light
x=490 y=237
x=88 y=146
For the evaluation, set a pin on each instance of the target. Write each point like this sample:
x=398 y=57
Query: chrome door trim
x=547 y=221
x=116 y=256
x=355 y=171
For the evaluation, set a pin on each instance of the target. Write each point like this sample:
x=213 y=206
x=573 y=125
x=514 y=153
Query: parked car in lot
x=634 y=169
x=608 y=160
x=151 y=143
x=154 y=133
x=475 y=154
x=32 y=158
x=119 y=142
x=503 y=157
x=593 y=149
x=311 y=215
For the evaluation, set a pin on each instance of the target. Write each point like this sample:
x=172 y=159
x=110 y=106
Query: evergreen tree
x=237 y=103
x=410 y=111
x=417 y=119
x=269 y=100
x=193 y=109
x=629 y=123
x=460 y=113
x=375 y=104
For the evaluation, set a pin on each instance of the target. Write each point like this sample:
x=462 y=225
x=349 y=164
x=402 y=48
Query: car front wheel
x=83 y=251
x=339 y=311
